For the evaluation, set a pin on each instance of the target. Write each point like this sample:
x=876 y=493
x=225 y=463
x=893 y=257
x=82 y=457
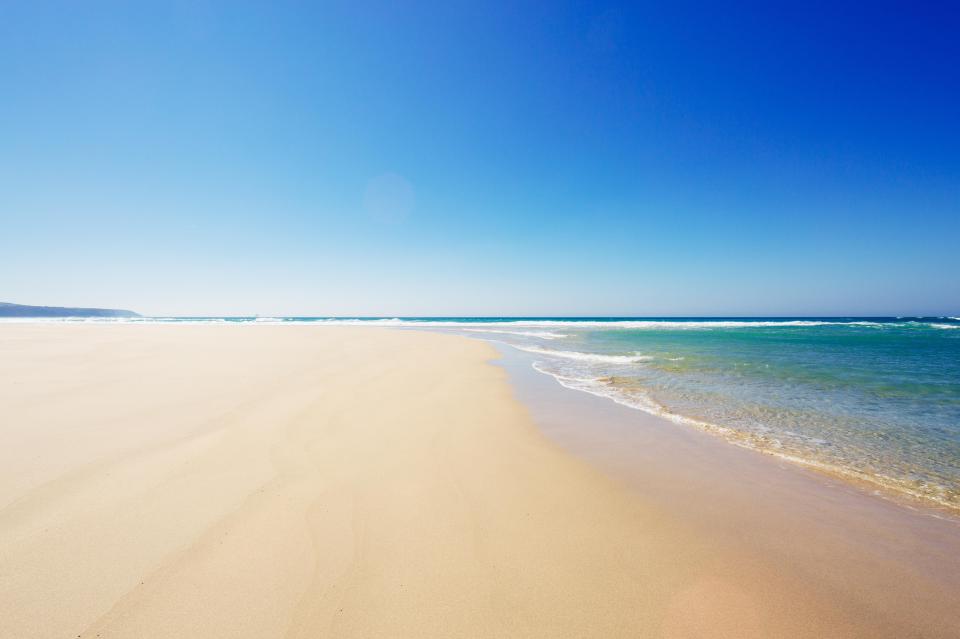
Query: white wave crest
x=539 y=334
x=627 y=324
x=585 y=357
x=527 y=327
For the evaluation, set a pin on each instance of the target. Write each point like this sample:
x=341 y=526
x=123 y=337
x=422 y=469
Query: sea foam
x=537 y=334
x=586 y=357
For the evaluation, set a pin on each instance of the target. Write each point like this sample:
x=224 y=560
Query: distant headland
x=22 y=310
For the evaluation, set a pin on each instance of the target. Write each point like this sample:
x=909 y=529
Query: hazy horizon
x=482 y=316
x=362 y=159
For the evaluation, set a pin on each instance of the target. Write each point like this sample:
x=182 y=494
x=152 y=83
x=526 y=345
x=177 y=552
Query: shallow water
x=874 y=399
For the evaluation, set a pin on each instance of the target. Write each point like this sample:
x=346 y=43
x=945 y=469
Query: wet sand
x=894 y=562
x=298 y=481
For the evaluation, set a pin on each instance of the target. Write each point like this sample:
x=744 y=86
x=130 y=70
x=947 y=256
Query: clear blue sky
x=459 y=158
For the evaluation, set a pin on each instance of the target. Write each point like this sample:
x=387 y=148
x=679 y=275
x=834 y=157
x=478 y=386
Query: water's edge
x=553 y=403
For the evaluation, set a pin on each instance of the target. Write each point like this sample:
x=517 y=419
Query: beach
x=335 y=481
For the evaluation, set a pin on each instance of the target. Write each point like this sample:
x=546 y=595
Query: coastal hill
x=22 y=310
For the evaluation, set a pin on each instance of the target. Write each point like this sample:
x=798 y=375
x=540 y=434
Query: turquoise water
x=876 y=399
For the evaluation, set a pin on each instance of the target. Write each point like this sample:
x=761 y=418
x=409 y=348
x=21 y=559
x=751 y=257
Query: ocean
x=876 y=399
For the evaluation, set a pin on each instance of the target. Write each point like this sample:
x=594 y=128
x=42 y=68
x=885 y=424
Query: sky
x=470 y=158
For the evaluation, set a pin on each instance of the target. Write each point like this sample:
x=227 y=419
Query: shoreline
x=889 y=489
x=165 y=481
x=914 y=490
x=790 y=514
x=517 y=364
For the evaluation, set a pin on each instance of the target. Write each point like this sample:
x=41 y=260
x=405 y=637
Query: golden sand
x=297 y=481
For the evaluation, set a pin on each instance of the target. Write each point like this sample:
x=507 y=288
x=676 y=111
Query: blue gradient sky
x=452 y=158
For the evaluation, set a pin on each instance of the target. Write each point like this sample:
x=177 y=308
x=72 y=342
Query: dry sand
x=297 y=481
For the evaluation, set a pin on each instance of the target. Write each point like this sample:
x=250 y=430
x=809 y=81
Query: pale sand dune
x=281 y=481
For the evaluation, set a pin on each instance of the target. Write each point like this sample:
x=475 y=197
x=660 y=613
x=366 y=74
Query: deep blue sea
x=871 y=398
